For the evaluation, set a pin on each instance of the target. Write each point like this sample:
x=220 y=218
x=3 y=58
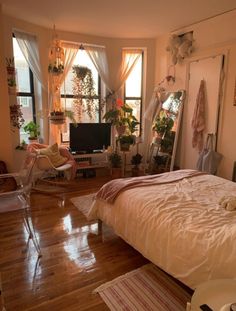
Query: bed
x=179 y=226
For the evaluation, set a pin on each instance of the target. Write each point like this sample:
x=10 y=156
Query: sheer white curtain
x=29 y=48
x=55 y=83
x=99 y=58
x=129 y=60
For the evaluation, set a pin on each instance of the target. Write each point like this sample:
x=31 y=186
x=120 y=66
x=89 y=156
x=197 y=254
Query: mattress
x=180 y=227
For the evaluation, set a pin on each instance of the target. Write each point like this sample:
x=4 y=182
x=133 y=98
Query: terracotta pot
x=33 y=140
x=11 y=70
x=120 y=129
x=116 y=172
x=136 y=171
x=124 y=147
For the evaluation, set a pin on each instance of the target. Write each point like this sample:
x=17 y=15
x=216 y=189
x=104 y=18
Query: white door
x=209 y=70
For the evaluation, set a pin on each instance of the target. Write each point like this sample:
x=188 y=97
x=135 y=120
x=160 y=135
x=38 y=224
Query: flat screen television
x=89 y=137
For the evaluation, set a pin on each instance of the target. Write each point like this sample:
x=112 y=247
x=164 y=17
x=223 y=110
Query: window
x=25 y=94
x=133 y=91
x=81 y=59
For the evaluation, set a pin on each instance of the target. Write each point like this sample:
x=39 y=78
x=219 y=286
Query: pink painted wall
x=6 y=153
x=212 y=37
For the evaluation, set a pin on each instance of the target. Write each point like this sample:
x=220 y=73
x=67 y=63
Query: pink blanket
x=113 y=188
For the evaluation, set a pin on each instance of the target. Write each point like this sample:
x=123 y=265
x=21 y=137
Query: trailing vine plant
x=85 y=99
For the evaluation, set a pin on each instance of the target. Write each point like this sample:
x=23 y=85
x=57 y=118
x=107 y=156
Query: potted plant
x=33 y=130
x=16 y=116
x=57 y=117
x=125 y=142
x=22 y=145
x=136 y=160
x=160 y=163
x=116 y=162
x=121 y=116
x=163 y=124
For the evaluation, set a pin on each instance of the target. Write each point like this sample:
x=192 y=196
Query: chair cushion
x=52 y=152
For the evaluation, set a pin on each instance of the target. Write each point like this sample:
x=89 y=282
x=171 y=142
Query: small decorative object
x=33 y=130
x=57 y=117
x=11 y=76
x=83 y=86
x=180 y=47
x=116 y=162
x=16 y=116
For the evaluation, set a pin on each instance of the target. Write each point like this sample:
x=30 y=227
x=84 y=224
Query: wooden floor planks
x=76 y=259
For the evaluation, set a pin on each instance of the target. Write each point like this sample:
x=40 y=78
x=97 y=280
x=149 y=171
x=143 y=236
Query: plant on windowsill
x=116 y=162
x=22 y=146
x=32 y=129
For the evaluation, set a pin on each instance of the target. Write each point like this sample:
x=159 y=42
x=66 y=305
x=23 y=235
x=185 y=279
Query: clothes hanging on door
x=198 y=120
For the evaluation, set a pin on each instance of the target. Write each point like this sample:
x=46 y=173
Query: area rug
x=145 y=289
x=83 y=203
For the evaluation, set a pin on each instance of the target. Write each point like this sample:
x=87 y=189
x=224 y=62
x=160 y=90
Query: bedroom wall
x=5 y=129
x=212 y=37
x=44 y=36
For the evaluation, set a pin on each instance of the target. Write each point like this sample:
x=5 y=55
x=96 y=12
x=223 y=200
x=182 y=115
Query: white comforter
x=180 y=227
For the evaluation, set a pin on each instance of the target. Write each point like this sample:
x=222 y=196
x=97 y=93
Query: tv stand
x=89 y=161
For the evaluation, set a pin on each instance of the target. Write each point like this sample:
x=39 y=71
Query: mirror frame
x=162 y=98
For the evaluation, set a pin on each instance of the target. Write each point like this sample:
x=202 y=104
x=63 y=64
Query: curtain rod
x=202 y=20
x=82 y=45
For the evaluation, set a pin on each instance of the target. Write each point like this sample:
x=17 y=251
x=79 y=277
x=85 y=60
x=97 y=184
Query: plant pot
x=124 y=147
x=136 y=171
x=120 y=129
x=57 y=117
x=33 y=140
x=12 y=90
x=11 y=70
x=116 y=172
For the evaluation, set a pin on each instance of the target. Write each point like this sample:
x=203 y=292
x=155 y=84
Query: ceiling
x=116 y=18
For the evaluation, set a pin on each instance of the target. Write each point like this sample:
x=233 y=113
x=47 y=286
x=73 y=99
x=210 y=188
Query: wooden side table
x=216 y=294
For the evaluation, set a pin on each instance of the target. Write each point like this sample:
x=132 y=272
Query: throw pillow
x=52 y=152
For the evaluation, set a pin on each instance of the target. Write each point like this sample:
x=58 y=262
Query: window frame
x=138 y=98
x=98 y=97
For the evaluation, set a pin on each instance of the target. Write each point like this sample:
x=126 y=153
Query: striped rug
x=145 y=289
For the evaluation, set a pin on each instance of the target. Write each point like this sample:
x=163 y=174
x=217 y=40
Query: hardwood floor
x=76 y=259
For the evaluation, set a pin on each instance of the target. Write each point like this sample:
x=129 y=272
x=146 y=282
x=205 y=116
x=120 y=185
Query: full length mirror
x=165 y=132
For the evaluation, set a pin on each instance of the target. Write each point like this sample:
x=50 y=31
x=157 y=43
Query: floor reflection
x=77 y=247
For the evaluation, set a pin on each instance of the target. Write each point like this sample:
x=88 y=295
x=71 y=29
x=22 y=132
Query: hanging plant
x=16 y=116
x=85 y=99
